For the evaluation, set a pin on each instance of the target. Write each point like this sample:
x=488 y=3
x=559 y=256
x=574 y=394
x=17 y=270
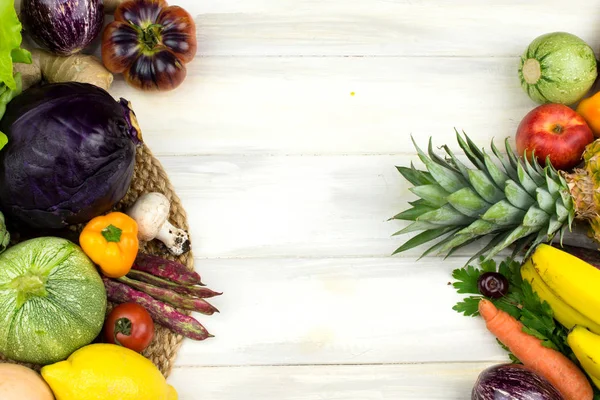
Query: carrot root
x=561 y=372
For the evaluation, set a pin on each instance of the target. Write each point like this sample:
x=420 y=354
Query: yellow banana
x=575 y=281
x=564 y=313
x=586 y=346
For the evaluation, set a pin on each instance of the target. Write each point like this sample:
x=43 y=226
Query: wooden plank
x=336 y=311
x=330 y=105
x=356 y=382
x=384 y=27
x=294 y=206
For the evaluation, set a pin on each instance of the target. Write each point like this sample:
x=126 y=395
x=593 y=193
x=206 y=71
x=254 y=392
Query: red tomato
x=129 y=325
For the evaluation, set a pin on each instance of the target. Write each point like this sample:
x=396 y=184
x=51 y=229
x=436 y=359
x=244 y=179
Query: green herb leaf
x=467 y=279
x=521 y=302
x=19 y=55
x=3 y=140
x=10 y=39
x=511 y=356
x=469 y=306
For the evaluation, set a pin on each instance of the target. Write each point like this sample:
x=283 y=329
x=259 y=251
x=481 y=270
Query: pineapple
x=515 y=202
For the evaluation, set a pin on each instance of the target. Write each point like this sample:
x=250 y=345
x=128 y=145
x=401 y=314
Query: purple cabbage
x=513 y=382
x=63 y=27
x=70 y=154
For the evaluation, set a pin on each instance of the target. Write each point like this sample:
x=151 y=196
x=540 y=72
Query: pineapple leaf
x=455 y=248
x=468 y=202
x=535 y=218
x=445 y=215
x=539 y=168
x=456 y=242
x=490 y=245
x=526 y=181
x=457 y=163
x=567 y=199
x=561 y=212
x=512 y=158
x=561 y=178
x=545 y=200
x=478 y=153
x=439 y=160
x=416 y=226
x=484 y=186
x=478 y=163
x=515 y=201
x=563 y=229
x=433 y=194
x=504 y=214
x=416 y=177
x=496 y=173
x=412 y=213
x=571 y=218
x=423 y=237
x=522 y=244
x=439 y=244
x=446 y=177
x=516 y=234
x=542 y=237
x=517 y=196
x=510 y=171
x=533 y=174
x=551 y=184
x=479 y=228
x=553 y=226
x=421 y=202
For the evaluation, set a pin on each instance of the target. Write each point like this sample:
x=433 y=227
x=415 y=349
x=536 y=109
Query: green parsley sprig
x=521 y=302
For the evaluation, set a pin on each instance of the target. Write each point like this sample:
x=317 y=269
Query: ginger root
x=76 y=68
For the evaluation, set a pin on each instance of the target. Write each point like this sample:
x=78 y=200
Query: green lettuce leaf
x=10 y=43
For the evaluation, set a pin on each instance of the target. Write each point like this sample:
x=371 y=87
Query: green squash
x=557 y=68
x=52 y=300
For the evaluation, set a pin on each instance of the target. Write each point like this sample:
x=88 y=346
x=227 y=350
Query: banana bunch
x=571 y=287
x=586 y=346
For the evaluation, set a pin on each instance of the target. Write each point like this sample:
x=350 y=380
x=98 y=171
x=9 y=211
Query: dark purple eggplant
x=513 y=382
x=63 y=27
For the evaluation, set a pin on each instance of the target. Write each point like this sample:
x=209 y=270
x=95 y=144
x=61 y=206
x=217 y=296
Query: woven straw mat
x=149 y=176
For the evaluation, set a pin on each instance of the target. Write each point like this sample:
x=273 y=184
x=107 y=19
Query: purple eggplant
x=63 y=27
x=513 y=382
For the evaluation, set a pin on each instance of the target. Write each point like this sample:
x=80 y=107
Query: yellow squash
x=107 y=372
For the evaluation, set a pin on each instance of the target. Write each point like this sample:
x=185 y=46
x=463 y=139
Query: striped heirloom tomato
x=150 y=43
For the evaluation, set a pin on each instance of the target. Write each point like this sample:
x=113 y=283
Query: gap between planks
x=382 y=364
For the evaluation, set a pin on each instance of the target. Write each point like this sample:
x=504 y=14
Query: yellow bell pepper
x=111 y=242
x=589 y=109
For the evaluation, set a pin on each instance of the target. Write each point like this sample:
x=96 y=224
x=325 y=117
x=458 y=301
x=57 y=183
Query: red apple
x=556 y=131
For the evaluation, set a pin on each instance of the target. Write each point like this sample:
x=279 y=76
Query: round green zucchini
x=52 y=300
x=557 y=68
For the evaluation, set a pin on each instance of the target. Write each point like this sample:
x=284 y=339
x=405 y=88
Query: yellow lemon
x=107 y=372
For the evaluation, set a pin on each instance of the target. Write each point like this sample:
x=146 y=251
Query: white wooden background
x=282 y=145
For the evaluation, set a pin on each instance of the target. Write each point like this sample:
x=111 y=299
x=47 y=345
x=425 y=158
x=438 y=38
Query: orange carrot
x=561 y=372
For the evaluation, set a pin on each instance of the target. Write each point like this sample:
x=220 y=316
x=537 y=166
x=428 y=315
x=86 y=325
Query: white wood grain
x=356 y=382
x=336 y=311
x=305 y=105
x=282 y=144
x=385 y=27
x=294 y=206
